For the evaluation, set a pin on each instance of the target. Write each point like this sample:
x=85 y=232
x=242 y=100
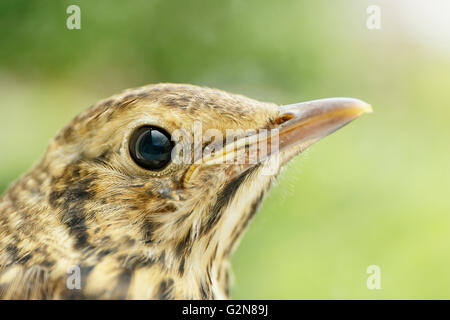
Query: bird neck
x=209 y=256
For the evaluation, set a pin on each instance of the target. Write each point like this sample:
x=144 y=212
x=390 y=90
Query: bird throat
x=232 y=213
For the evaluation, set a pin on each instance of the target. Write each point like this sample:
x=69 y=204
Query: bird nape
x=125 y=205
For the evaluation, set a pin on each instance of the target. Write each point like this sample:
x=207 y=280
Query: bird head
x=146 y=175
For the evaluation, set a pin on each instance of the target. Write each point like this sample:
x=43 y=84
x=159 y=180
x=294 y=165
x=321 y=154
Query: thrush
x=109 y=204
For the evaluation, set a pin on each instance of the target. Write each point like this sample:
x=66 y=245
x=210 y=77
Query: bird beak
x=304 y=123
x=297 y=127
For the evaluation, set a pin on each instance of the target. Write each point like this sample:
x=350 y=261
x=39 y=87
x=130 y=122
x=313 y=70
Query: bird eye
x=151 y=147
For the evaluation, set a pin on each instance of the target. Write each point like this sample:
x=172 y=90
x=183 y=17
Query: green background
x=374 y=193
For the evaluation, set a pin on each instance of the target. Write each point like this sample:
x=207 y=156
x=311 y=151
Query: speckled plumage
x=134 y=234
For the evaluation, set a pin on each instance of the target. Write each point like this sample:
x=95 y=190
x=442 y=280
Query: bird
x=108 y=213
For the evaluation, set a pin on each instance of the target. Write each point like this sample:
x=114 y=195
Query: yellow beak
x=297 y=126
x=307 y=122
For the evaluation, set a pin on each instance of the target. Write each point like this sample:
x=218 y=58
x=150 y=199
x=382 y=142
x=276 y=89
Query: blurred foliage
x=375 y=192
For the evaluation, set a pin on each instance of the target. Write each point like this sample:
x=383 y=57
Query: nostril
x=283 y=118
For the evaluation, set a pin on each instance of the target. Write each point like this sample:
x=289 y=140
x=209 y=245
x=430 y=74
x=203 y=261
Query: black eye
x=151 y=147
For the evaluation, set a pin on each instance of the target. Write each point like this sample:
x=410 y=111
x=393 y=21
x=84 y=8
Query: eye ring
x=151 y=147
